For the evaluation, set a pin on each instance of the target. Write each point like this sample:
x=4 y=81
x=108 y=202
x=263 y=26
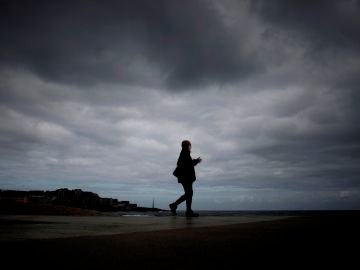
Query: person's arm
x=196 y=161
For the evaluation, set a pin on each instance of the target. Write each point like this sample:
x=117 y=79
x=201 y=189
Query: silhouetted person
x=186 y=177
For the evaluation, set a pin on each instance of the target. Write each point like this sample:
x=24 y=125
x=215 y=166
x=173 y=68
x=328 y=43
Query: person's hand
x=199 y=159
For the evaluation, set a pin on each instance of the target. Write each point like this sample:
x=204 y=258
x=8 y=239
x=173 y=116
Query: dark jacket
x=186 y=166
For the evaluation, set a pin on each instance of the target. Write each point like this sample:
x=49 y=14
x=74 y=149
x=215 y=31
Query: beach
x=325 y=238
x=28 y=227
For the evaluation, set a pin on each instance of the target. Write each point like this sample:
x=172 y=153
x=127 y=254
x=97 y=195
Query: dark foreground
x=325 y=239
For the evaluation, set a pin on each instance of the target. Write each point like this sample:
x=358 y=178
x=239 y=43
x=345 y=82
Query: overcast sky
x=98 y=95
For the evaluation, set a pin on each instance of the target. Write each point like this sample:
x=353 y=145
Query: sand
x=25 y=227
x=316 y=240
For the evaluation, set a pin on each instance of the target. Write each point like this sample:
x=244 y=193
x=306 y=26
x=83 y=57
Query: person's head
x=186 y=144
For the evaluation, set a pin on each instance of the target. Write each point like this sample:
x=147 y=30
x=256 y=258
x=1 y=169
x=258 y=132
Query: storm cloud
x=170 y=43
x=98 y=95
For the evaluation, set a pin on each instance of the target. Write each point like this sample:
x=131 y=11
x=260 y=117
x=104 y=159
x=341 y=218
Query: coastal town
x=63 y=198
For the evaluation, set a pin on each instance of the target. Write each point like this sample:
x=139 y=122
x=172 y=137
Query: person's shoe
x=173 y=208
x=191 y=214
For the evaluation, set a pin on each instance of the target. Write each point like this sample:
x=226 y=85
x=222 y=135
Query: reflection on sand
x=43 y=227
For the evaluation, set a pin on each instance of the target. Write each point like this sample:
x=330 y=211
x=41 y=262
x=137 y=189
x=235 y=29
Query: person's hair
x=185 y=143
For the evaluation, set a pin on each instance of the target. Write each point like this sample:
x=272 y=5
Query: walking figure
x=185 y=172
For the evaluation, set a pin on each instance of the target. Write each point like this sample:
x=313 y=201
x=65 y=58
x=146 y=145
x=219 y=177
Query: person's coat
x=186 y=166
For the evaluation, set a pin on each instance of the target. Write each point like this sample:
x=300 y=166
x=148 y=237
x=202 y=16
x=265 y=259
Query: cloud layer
x=99 y=96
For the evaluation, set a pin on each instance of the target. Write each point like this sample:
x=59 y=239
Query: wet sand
x=25 y=227
x=320 y=240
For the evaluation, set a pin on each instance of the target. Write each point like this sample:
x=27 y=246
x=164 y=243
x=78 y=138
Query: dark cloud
x=326 y=24
x=170 y=43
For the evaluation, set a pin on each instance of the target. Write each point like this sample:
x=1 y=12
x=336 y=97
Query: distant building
x=122 y=205
x=106 y=202
x=131 y=206
x=66 y=197
x=14 y=196
x=39 y=199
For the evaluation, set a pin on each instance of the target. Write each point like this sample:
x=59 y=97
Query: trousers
x=187 y=196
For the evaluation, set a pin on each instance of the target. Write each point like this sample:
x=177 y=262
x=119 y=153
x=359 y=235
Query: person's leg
x=188 y=195
x=173 y=206
x=188 y=187
x=180 y=200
